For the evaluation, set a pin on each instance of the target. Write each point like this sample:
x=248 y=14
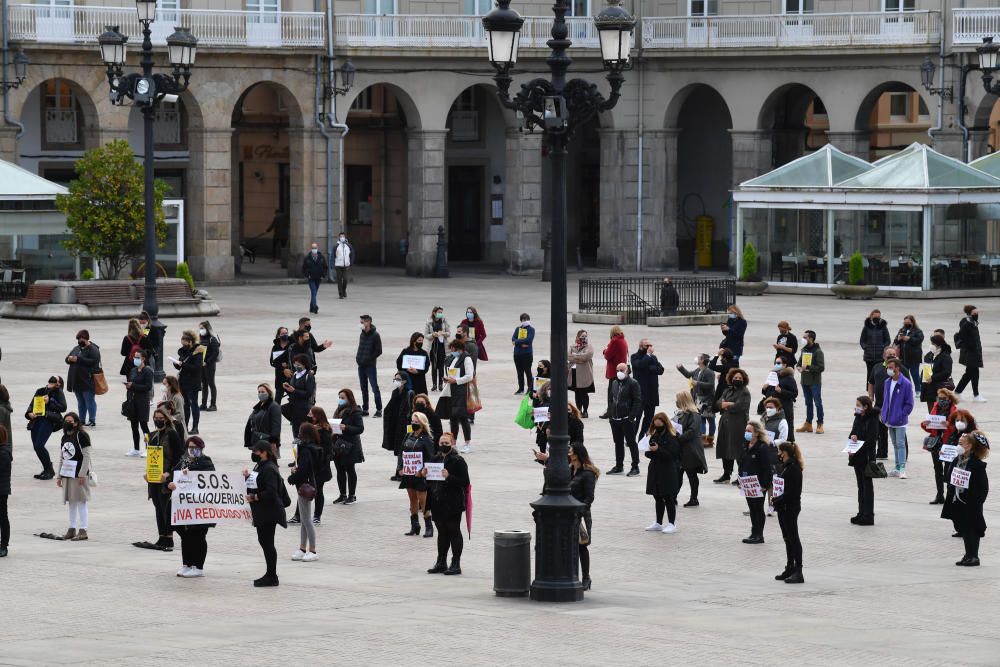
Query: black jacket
x=575 y=428
x=264 y=423
x=190 y=362
x=369 y=347
x=663 y=475
x=734 y=337
x=80 y=376
x=758 y=460
x=791 y=499
x=128 y=351
x=314 y=267
x=417 y=443
x=692 y=450
x=646 y=370
x=967 y=504
x=911 y=350
x=282 y=361
x=303 y=390
x=418 y=380
x=626 y=399
x=432 y=420
x=789 y=390
x=268 y=508
x=295 y=350
x=722 y=367
x=53 y=409
x=788 y=340
x=941 y=367
x=6 y=466
x=139 y=394
x=449 y=495
x=353 y=425
x=212 y=345
x=307 y=462
x=173 y=450
x=874 y=339
x=968 y=343
x=865 y=427
x=395 y=417
x=581 y=486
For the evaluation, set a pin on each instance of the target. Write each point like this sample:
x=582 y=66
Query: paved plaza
x=887 y=595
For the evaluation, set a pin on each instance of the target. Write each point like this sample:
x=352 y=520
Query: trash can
x=511 y=563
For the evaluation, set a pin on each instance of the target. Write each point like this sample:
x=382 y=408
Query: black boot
x=789 y=568
x=428 y=527
x=456 y=566
x=414 y=525
x=438 y=568
x=796 y=576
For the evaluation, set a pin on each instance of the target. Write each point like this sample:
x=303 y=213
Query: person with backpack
x=213 y=355
x=970 y=353
x=304 y=473
x=268 y=499
x=136 y=339
x=420 y=440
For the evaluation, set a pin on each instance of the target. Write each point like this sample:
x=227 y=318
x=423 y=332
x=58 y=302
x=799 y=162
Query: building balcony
x=853 y=30
x=81 y=24
x=969 y=26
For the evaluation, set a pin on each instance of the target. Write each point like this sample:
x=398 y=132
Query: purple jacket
x=896 y=407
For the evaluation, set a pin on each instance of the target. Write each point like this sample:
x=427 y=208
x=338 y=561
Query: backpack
x=958 y=340
x=218 y=357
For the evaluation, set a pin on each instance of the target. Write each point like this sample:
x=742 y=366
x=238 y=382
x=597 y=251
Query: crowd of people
x=754 y=441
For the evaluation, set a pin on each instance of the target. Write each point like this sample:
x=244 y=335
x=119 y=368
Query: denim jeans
x=313 y=292
x=86 y=405
x=915 y=377
x=369 y=375
x=898 y=436
x=708 y=425
x=813 y=394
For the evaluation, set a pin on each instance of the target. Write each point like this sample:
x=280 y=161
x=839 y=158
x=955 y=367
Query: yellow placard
x=807 y=359
x=472 y=333
x=409 y=429
x=154 y=464
x=522 y=333
x=453 y=372
x=539 y=383
x=926 y=371
x=38 y=405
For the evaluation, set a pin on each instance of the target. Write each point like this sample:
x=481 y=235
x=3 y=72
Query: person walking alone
x=268 y=499
x=789 y=504
x=970 y=353
x=315 y=270
x=811 y=365
x=896 y=408
x=522 y=339
x=84 y=360
x=624 y=412
x=647 y=369
x=343 y=259
x=369 y=350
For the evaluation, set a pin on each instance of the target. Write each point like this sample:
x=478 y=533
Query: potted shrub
x=750 y=282
x=856 y=287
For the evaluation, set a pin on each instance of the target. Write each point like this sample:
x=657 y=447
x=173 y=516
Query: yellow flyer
x=472 y=333
x=522 y=333
x=154 y=464
x=38 y=405
x=926 y=371
x=807 y=359
x=453 y=372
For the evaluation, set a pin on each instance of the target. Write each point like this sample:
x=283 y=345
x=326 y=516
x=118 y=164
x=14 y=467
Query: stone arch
x=874 y=117
x=790 y=114
x=54 y=135
x=868 y=102
x=403 y=97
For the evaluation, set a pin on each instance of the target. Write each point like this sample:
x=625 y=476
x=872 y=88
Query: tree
x=748 y=272
x=105 y=210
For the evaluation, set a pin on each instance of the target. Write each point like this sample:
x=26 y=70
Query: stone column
x=979 y=141
x=522 y=214
x=8 y=144
x=949 y=142
x=751 y=158
x=856 y=143
x=619 y=188
x=207 y=213
x=659 y=200
x=425 y=198
x=307 y=195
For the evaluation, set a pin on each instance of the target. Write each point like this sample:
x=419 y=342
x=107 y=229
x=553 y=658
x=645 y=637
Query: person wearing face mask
x=75 y=464
x=280 y=360
x=615 y=354
x=812 y=363
x=369 y=350
x=461 y=371
x=316 y=347
x=970 y=497
x=786 y=344
x=664 y=472
x=165 y=437
x=447 y=506
x=865 y=429
x=896 y=408
x=542 y=399
x=910 y=341
x=786 y=390
x=84 y=360
x=647 y=369
x=937 y=367
x=476 y=329
x=190 y=359
x=327 y=453
x=789 y=505
x=734 y=330
x=347 y=448
x=264 y=422
x=417 y=363
x=177 y=418
x=42 y=425
x=302 y=343
x=304 y=477
x=581 y=371
x=422 y=404
x=624 y=412
x=213 y=355
x=874 y=339
x=522 y=340
x=396 y=417
x=543 y=371
x=139 y=390
x=268 y=499
x=315 y=270
x=939 y=433
x=194 y=538
x=876 y=385
x=970 y=353
x=774 y=422
x=756 y=459
x=136 y=339
x=702 y=382
x=420 y=440
x=172 y=394
x=469 y=344
x=962 y=422
x=438 y=332
x=734 y=406
x=692 y=456
x=343 y=259
x=301 y=390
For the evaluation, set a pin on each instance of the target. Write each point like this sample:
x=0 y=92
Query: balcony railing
x=792 y=30
x=442 y=30
x=969 y=26
x=81 y=24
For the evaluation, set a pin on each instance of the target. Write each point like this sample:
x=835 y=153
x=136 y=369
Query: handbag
x=875 y=470
x=128 y=410
x=307 y=491
x=584 y=533
x=524 y=417
x=100 y=383
x=341 y=448
x=472 y=402
x=932 y=443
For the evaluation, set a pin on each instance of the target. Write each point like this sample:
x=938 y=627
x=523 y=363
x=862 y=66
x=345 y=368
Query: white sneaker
x=299 y=555
x=770 y=510
x=669 y=528
x=902 y=474
x=183 y=571
x=979 y=399
x=466 y=448
x=132 y=453
x=893 y=473
x=310 y=557
x=142 y=453
x=194 y=572
x=654 y=527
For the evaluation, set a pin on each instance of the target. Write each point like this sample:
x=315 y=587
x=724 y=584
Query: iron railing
x=637 y=299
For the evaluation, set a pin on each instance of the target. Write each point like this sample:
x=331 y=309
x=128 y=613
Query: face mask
x=470 y=316
x=777 y=367
x=960 y=425
x=415 y=425
x=298 y=368
x=445 y=449
x=975 y=318
x=255 y=457
x=342 y=239
x=456 y=354
x=202 y=332
x=858 y=410
x=362 y=327
x=748 y=436
x=68 y=427
x=314 y=251
x=420 y=344
x=731 y=316
x=944 y=404
x=307 y=327
x=342 y=402
x=770 y=412
x=526 y=323
x=194 y=452
x=263 y=396
x=283 y=338
x=159 y=423
x=81 y=342
x=620 y=375
x=737 y=383
x=137 y=362
x=697 y=361
x=539 y=371
x=439 y=316
x=658 y=426
x=397 y=383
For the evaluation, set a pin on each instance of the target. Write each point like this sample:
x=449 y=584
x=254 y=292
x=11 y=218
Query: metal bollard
x=511 y=563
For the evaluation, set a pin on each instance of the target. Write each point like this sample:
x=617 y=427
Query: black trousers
x=938 y=473
x=788 y=519
x=971 y=374
x=669 y=504
x=727 y=467
x=585 y=548
x=4 y=523
x=449 y=534
x=522 y=365
x=320 y=499
x=161 y=505
x=869 y=365
x=466 y=427
x=693 y=482
x=648 y=410
x=192 y=409
x=137 y=427
x=757 y=516
x=208 y=383
x=194 y=545
x=971 y=539
x=623 y=433
x=347 y=477
x=265 y=538
x=582 y=399
x=882 y=448
x=866 y=494
x=341 y=281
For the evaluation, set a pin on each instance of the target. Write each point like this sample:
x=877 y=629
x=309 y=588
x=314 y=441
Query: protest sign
x=415 y=361
x=772 y=379
x=154 y=464
x=947 y=453
x=337 y=426
x=540 y=414
x=852 y=446
x=539 y=383
x=926 y=371
x=750 y=487
x=209 y=496
x=960 y=478
x=937 y=422
x=68 y=468
x=807 y=359
x=434 y=472
x=777 y=486
x=412 y=462
x=522 y=333
x=38 y=405
x=644 y=444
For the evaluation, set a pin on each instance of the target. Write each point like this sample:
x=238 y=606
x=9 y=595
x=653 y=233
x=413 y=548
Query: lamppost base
x=557 y=549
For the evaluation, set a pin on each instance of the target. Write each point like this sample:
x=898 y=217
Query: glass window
x=798 y=6
x=797 y=246
x=890 y=242
x=703 y=8
x=899 y=106
x=380 y=7
x=965 y=246
x=477 y=7
x=899 y=5
x=60 y=113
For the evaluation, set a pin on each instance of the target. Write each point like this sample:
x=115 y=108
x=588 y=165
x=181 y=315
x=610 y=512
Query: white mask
x=526 y=323
x=960 y=425
x=203 y=332
x=314 y=251
x=343 y=238
x=397 y=383
x=621 y=375
x=936 y=349
x=770 y=412
x=697 y=361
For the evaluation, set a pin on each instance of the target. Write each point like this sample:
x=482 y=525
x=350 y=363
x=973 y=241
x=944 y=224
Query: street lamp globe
x=988 y=56
x=182 y=47
x=21 y=66
x=615 y=27
x=503 y=34
x=146 y=10
x=112 y=46
x=927 y=73
x=347 y=73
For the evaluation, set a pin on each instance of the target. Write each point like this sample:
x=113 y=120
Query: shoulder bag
x=875 y=470
x=100 y=383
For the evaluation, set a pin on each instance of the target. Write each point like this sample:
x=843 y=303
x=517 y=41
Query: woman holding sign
x=756 y=468
x=268 y=499
x=963 y=423
x=414 y=363
x=940 y=428
x=418 y=449
x=194 y=538
x=44 y=415
x=971 y=488
x=787 y=500
x=189 y=363
x=664 y=471
x=865 y=431
x=347 y=444
x=163 y=451
x=937 y=370
x=449 y=504
x=461 y=371
x=74 y=476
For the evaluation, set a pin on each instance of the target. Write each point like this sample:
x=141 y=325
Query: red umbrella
x=468 y=509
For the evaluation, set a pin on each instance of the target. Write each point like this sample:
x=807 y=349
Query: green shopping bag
x=524 y=418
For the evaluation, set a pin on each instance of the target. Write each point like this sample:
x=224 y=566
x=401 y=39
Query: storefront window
x=797 y=246
x=965 y=247
x=890 y=242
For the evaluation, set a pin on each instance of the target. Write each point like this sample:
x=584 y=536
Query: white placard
x=434 y=472
x=540 y=414
x=412 y=463
x=750 y=487
x=416 y=361
x=68 y=468
x=337 y=426
x=947 y=453
x=852 y=447
x=252 y=481
x=772 y=379
x=938 y=422
x=770 y=435
x=678 y=427
x=777 y=486
x=644 y=444
x=275 y=355
x=960 y=478
x=209 y=496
